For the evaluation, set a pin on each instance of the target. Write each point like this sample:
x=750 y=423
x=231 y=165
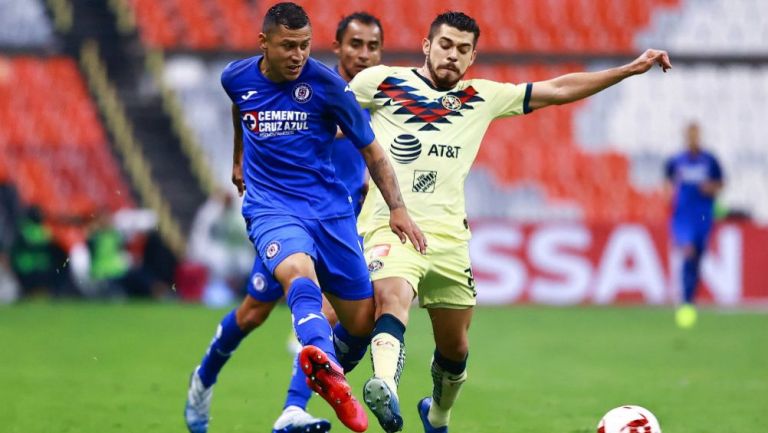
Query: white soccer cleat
x=296 y=420
x=383 y=402
x=198 y=408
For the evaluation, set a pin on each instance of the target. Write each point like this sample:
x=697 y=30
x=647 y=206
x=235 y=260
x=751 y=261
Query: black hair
x=285 y=14
x=363 y=17
x=457 y=20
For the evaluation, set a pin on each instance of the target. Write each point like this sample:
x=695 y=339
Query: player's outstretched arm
x=237 y=154
x=573 y=87
x=383 y=175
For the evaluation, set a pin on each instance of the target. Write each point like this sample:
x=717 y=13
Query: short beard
x=441 y=84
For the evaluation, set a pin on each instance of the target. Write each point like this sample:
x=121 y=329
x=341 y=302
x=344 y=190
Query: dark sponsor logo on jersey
x=276 y=122
x=259 y=282
x=419 y=109
x=272 y=249
x=405 y=149
x=375 y=265
x=424 y=181
x=302 y=93
x=444 y=151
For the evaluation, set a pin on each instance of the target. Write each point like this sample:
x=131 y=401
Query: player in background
x=696 y=178
x=431 y=123
x=286 y=108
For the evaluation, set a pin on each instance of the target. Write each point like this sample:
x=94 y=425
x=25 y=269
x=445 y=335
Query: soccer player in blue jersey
x=286 y=108
x=696 y=177
x=358 y=44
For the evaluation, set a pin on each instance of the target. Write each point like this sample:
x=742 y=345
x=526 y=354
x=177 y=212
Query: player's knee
x=459 y=351
x=294 y=267
x=393 y=301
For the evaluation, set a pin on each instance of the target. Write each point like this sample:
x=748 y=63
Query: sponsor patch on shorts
x=259 y=282
x=380 y=250
x=375 y=265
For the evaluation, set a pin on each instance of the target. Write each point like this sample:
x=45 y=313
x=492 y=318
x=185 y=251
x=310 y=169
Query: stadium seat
x=605 y=26
x=55 y=148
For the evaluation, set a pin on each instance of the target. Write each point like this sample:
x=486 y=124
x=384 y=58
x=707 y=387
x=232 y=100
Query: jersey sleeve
x=353 y=121
x=715 y=171
x=227 y=78
x=669 y=170
x=508 y=99
x=365 y=85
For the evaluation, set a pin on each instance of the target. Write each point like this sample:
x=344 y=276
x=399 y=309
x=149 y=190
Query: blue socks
x=349 y=349
x=228 y=337
x=690 y=278
x=309 y=323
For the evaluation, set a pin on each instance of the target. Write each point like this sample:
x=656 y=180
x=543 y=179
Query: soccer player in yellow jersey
x=431 y=123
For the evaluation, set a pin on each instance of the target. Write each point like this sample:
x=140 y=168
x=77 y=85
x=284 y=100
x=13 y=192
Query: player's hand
x=709 y=188
x=649 y=58
x=237 y=179
x=404 y=227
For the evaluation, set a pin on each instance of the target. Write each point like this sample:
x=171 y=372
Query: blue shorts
x=332 y=243
x=685 y=233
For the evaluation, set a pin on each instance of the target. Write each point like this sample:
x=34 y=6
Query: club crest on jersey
x=424 y=181
x=259 y=282
x=451 y=102
x=272 y=249
x=405 y=149
x=302 y=93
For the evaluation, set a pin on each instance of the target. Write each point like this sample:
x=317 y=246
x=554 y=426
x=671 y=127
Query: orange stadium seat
x=54 y=149
x=589 y=26
x=540 y=147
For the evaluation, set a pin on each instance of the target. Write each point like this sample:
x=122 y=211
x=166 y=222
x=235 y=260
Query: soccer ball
x=628 y=419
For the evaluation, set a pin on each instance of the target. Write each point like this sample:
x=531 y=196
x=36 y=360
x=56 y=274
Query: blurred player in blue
x=696 y=177
x=300 y=217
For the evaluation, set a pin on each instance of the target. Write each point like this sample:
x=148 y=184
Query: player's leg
x=448 y=292
x=298 y=390
x=317 y=358
x=263 y=293
x=351 y=341
x=393 y=298
x=449 y=365
x=395 y=270
x=294 y=416
x=684 y=237
x=228 y=336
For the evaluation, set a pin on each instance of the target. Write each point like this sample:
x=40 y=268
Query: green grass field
x=123 y=368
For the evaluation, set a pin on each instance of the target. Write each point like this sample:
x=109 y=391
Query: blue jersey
x=288 y=134
x=350 y=168
x=687 y=172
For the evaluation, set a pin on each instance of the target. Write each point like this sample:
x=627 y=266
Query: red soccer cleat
x=327 y=379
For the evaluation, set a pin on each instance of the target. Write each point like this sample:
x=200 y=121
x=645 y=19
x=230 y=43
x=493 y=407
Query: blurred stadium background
x=115 y=150
x=113 y=118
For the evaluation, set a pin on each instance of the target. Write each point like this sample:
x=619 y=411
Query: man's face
x=449 y=55
x=286 y=51
x=360 y=48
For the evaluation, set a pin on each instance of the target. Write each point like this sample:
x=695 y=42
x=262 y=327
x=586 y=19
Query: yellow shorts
x=442 y=278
